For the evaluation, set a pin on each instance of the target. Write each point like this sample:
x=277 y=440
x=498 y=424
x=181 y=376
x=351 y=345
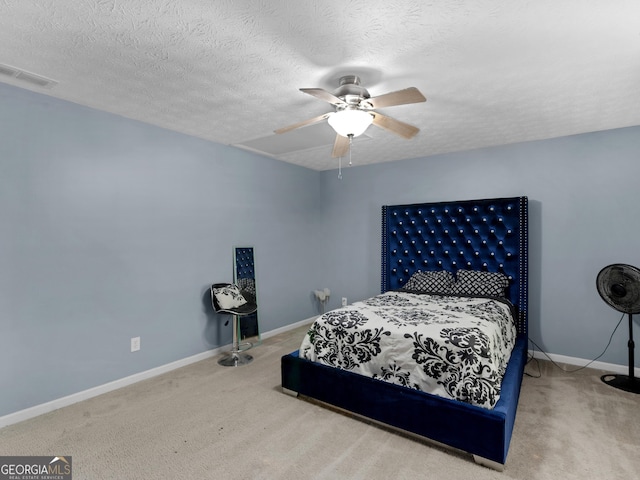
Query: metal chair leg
x=236 y=357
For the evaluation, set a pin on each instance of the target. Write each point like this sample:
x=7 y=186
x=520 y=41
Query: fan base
x=622 y=382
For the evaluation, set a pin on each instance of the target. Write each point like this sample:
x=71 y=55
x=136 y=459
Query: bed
x=463 y=238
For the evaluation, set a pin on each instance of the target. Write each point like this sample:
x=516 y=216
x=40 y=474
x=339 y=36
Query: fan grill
x=619 y=286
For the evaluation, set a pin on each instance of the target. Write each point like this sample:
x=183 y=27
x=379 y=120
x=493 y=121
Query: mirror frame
x=244 y=268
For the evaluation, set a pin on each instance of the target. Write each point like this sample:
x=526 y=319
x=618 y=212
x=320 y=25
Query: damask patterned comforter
x=454 y=347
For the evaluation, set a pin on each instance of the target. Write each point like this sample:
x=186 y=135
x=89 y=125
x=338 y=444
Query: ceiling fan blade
x=323 y=95
x=304 y=123
x=400 y=97
x=394 y=126
x=340 y=147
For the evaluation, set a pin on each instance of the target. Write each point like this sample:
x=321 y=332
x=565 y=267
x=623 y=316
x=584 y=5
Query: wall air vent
x=24 y=76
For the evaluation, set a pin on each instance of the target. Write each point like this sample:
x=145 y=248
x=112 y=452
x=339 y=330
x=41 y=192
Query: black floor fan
x=619 y=286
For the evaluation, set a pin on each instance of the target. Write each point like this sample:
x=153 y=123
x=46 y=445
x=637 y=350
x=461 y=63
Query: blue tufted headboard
x=489 y=235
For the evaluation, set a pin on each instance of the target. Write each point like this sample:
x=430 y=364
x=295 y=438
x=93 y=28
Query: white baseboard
x=286 y=328
x=580 y=362
x=47 y=407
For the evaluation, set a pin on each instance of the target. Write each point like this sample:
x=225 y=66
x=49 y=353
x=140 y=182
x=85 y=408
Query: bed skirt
x=479 y=431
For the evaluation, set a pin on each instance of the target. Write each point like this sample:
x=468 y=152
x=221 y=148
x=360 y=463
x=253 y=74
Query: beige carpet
x=205 y=421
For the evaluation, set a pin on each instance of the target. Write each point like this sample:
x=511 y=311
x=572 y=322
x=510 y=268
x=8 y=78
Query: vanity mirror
x=244 y=275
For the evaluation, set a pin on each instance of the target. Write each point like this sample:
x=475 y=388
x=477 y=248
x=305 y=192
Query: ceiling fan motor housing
x=350 y=90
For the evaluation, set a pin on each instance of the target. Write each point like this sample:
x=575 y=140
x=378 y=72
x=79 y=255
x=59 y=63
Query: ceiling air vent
x=24 y=76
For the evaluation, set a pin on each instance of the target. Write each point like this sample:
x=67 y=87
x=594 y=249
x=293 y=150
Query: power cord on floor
x=563 y=369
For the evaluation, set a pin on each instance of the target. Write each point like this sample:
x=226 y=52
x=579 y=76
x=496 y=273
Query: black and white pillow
x=476 y=283
x=229 y=297
x=431 y=282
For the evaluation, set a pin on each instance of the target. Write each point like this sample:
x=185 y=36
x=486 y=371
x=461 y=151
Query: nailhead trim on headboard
x=487 y=234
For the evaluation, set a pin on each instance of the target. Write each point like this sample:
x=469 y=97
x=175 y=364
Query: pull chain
x=340 y=158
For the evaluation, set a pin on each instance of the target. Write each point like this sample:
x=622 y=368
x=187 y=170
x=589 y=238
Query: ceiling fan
x=354 y=112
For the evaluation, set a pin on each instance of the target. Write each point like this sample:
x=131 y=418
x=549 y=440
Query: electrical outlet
x=344 y=301
x=135 y=344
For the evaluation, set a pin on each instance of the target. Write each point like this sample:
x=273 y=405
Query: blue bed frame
x=487 y=234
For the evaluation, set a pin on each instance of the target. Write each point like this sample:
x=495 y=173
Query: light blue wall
x=113 y=229
x=584 y=211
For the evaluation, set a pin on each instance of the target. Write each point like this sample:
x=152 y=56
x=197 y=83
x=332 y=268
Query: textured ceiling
x=494 y=72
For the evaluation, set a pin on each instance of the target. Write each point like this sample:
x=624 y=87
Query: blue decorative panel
x=244 y=263
x=245 y=278
x=488 y=235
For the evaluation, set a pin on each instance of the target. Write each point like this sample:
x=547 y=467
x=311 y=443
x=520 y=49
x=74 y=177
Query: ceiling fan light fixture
x=350 y=122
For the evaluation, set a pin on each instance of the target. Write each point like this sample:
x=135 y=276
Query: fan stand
x=628 y=383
